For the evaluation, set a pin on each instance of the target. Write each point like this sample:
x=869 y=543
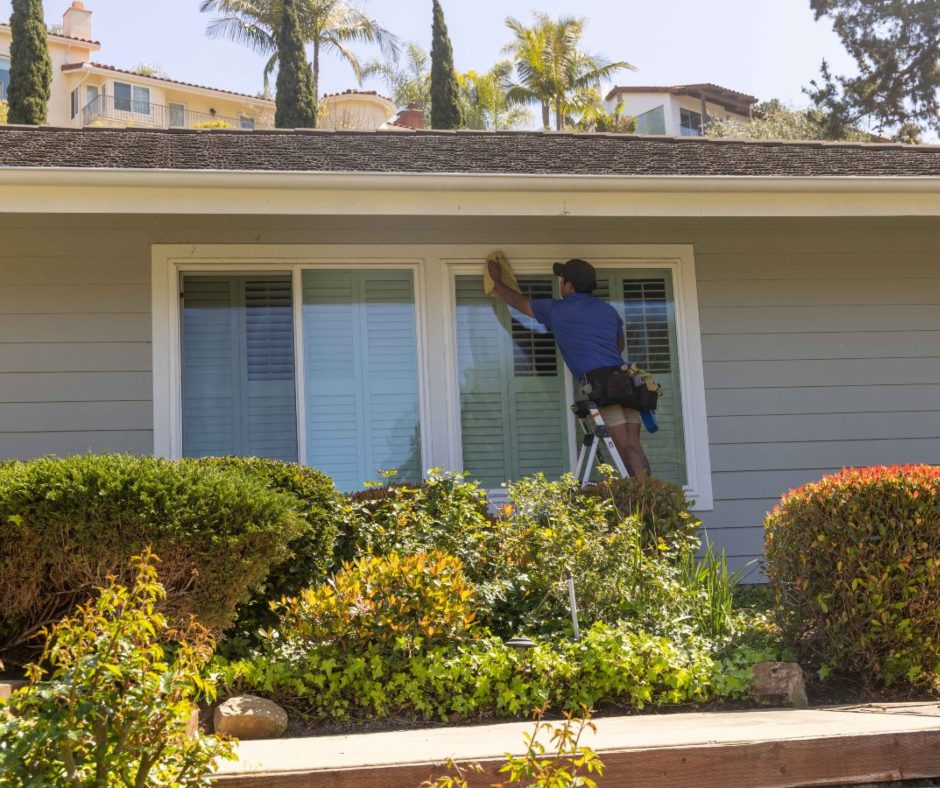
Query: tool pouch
x=626 y=385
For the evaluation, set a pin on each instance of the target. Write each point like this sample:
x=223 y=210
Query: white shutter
x=238 y=367
x=360 y=367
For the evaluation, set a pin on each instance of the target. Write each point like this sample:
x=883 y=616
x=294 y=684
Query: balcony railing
x=106 y=110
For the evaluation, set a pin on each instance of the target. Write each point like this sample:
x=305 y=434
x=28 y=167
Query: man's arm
x=516 y=300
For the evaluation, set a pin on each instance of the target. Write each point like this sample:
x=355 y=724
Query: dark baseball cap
x=579 y=272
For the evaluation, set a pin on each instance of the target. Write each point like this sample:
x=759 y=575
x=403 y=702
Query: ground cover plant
x=112 y=702
x=854 y=564
x=415 y=624
x=67 y=524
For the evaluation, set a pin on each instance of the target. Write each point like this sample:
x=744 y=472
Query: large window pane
x=360 y=375
x=238 y=367
x=645 y=301
x=122 y=97
x=4 y=77
x=512 y=404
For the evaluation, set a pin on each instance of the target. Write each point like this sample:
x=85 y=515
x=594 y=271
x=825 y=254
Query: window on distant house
x=177 y=114
x=131 y=98
x=690 y=123
x=357 y=369
x=4 y=77
x=74 y=102
x=652 y=121
x=246 y=123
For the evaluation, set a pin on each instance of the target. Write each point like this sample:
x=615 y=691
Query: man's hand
x=496 y=270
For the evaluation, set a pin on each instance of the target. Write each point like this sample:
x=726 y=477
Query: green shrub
x=661 y=507
x=116 y=707
x=67 y=524
x=310 y=553
x=393 y=602
x=854 y=562
x=444 y=513
x=485 y=677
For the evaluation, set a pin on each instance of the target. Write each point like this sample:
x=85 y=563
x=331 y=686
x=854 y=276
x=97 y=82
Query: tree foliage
x=774 y=120
x=896 y=46
x=408 y=79
x=551 y=67
x=445 y=100
x=296 y=104
x=30 y=66
x=327 y=25
x=483 y=100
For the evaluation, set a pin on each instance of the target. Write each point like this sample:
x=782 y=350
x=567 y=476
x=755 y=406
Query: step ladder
x=595 y=431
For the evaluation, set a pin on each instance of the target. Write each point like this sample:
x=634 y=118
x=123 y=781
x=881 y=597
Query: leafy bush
x=661 y=507
x=3 y=112
x=485 y=677
x=444 y=513
x=118 y=703
x=854 y=562
x=212 y=124
x=310 y=553
x=67 y=524
x=390 y=601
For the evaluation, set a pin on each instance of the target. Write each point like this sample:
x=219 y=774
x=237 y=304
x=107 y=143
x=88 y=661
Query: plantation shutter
x=238 y=367
x=512 y=406
x=644 y=299
x=360 y=373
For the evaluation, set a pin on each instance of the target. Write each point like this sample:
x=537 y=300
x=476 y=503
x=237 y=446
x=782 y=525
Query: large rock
x=779 y=684
x=250 y=717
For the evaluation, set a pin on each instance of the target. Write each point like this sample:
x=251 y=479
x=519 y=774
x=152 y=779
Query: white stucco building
x=679 y=110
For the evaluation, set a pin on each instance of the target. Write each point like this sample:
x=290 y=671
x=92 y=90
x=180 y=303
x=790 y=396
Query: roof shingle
x=430 y=152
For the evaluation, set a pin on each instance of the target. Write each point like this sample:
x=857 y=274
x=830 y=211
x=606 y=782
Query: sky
x=767 y=48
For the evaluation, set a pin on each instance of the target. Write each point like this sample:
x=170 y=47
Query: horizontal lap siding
x=816 y=357
x=820 y=337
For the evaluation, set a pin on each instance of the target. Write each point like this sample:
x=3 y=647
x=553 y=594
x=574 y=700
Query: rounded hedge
x=310 y=553
x=854 y=562
x=67 y=524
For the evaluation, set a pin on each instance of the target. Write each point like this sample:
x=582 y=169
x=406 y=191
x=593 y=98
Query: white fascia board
x=65 y=190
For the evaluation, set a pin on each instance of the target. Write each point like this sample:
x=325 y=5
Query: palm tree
x=483 y=99
x=408 y=78
x=327 y=25
x=550 y=65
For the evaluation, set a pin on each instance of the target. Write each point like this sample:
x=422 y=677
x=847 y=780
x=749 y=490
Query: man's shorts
x=614 y=415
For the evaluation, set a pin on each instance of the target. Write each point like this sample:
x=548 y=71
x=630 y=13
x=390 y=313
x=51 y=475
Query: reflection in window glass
x=690 y=123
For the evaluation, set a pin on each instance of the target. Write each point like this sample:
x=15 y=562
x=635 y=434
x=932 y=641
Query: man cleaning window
x=589 y=334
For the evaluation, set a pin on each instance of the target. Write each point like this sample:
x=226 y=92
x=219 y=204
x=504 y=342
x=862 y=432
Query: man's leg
x=624 y=429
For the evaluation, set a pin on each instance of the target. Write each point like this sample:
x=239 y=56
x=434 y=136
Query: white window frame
x=434 y=267
x=169 y=113
x=243 y=120
x=134 y=100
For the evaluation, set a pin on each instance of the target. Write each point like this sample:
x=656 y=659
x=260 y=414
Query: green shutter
x=512 y=405
x=360 y=375
x=238 y=367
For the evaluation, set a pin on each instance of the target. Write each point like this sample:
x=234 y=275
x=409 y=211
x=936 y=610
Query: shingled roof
x=430 y=152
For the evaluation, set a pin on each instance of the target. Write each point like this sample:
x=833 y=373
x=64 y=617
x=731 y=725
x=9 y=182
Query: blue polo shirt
x=585 y=328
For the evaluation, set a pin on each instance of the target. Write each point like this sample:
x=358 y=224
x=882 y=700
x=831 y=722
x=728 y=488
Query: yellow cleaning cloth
x=508 y=277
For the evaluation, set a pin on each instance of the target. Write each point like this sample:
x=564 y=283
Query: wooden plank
x=873 y=399
x=75 y=357
x=66 y=416
x=823 y=427
x=25 y=445
x=821 y=372
x=779 y=263
x=803 y=319
x=75 y=269
x=74 y=386
x=816 y=291
x=782 y=764
x=69 y=299
x=75 y=328
x=812 y=454
x=831 y=345
x=767 y=485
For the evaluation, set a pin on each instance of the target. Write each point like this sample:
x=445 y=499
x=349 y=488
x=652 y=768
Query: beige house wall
x=821 y=337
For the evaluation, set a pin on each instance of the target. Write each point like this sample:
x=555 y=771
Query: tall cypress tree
x=445 y=104
x=30 y=66
x=295 y=104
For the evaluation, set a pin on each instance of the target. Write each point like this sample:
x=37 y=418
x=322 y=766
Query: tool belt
x=626 y=385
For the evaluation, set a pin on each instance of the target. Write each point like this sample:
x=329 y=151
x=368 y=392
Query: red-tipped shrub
x=854 y=562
